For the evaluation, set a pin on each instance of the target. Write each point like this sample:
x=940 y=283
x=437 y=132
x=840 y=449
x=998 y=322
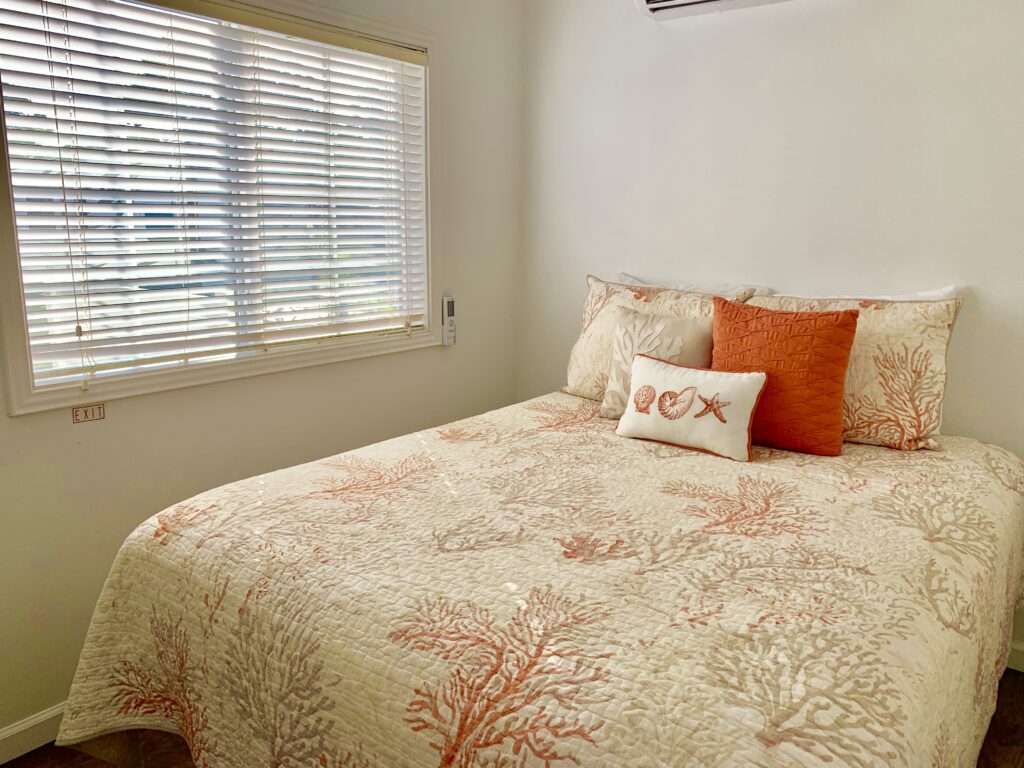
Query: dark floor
x=1004 y=745
x=160 y=750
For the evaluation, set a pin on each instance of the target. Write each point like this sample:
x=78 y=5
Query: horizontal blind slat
x=94 y=129
x=225 y=340
x=197 y=327
x=217 y=42
x=63 y=327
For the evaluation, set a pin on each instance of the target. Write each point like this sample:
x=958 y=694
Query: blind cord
x=183 y=208
x=50 y=56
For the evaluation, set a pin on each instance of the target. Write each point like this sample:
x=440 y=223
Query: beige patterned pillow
x=897 y=375
x=683 y=341
x=591 y=356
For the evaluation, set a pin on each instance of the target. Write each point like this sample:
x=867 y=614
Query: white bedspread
x=526 y=588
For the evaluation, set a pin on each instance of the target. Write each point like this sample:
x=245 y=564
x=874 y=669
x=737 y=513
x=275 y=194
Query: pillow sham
x=896 y=381
x=805 y=355
x=933 y=294
x=706 y=410
x=591 y=355
x=683 y=341
x=718 y=289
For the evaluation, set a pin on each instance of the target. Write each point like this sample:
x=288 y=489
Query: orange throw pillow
x=805 y=355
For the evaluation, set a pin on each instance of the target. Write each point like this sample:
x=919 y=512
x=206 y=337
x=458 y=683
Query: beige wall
x=70 y=494
x=845 y=146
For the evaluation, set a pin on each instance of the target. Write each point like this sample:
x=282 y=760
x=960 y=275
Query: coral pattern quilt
x=526 y=588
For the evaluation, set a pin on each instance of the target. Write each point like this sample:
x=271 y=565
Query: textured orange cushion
x=805 y=355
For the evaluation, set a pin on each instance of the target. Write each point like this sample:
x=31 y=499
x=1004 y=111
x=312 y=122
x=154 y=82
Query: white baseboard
x=25 y=735
x=1017 y=656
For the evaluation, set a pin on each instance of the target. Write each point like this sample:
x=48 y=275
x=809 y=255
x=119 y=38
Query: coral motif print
x=478 y=534
x=644 y=397
x=597 y=299
x=277 y=681
x=815 y=689
x=674 y=405
x=952 y=605
x=180 y=518
x=514 y=694
x=346 y=760
x=463 y=434
x=536 y=487
x=167 y=686
x=951 y=521
x=714 y=406
x=911 y=409
x=757 y=508
x=1006 y=468
x=571 y=419
x=588 y=548
x=368 y=482
x=638 y=334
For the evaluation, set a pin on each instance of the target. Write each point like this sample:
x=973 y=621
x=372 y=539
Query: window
x=190 y=192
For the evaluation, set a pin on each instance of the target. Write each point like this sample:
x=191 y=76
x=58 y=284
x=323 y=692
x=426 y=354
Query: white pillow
x=683 y=341
x=934 y=294
x=715 y=289
x=711 y=411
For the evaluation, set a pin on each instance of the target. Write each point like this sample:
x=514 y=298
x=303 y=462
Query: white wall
x=71 y=493
x=855 y=146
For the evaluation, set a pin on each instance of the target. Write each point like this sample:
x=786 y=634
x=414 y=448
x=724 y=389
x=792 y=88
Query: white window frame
x=24 y=397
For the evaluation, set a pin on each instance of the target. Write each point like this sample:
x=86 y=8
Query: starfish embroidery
x=712 y=405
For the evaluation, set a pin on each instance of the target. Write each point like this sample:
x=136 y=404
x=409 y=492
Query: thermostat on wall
x=448 y=321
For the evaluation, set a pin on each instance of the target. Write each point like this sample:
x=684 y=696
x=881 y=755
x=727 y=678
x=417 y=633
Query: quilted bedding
x=526 y=588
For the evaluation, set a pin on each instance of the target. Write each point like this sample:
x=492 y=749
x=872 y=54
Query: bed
x=526 y=588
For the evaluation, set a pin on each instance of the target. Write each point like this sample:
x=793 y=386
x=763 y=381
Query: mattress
x=526 y=588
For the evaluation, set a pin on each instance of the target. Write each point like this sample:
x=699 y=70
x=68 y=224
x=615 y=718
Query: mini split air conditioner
x=673 y=9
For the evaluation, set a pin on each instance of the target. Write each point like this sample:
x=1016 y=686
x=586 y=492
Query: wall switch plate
x=88 y=413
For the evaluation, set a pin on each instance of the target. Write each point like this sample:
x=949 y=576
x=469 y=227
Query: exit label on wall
x=88 y=413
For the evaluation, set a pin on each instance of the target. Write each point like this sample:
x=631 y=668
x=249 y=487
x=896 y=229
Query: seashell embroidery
x=674 y=405
x=643 y=398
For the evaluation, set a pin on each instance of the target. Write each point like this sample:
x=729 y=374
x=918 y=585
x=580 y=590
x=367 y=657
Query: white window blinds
x=188 y=189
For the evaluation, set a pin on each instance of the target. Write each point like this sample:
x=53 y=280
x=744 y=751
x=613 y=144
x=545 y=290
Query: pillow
x=933 y=294
x=718 y=289
x=684 y=341
x=691 y=408
x=897 y=376
x=805 y=355
x=591 y=356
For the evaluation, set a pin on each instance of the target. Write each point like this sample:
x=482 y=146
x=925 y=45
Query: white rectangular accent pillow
x=711 y=411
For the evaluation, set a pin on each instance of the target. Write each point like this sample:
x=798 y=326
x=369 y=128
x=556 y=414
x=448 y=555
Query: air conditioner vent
x=674 y=9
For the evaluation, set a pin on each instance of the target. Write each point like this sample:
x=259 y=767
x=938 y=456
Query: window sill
x=23 y=399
